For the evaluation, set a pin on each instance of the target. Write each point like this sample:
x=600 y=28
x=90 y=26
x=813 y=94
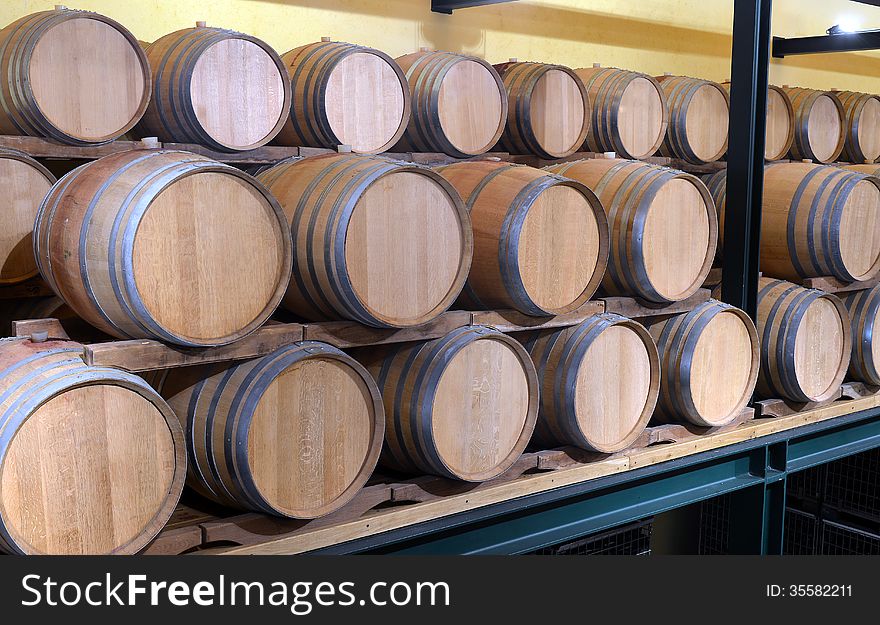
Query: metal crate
x=844 y=540
x=633 y=539
x=800 y=534
x=715 y=526
x=853 y=486
x=810 y=484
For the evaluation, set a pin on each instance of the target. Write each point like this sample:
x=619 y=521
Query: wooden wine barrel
x=549 y=112
x=73 y=76
x=345 y=94
x=820 y=221
x=385 y=243
x=820 y=125
x=24 y=183
x=708 y=363
x=459 y=104
x=164 y=244
x=462 y=406
x=32 y=308
x=92 y=460
x=699 y=112
x=864 y=309
x=805 y=342
x=216 y=87
x=541 y=243
x=862 y=126
x=629 y=111
x=779 y=132
x=663 y=227
x=599 y=383
x=293 y=434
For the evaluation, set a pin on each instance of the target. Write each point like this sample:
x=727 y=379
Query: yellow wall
x=655 y=36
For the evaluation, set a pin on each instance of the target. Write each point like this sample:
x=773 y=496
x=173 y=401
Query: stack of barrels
x=817 y=221
x=168 y=245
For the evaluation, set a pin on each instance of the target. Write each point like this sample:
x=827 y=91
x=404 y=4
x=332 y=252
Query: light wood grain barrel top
x=677 y=235
x=780 y=124
x=860 y=229
x=825 y=128
x=817 y=369
x=87 y=471
x=365 y=101
x=224 y=255
x=558 y=247
x=312 y=432
x=404 y=246
x=640 y=116
x=558 y=112
x=707 y=119
x=614 y=382
x=88 y=78
x=238 y=92
x=481 y=407
x=24 y=184
x=471 y=106
x=869 y=129
x=723 y=367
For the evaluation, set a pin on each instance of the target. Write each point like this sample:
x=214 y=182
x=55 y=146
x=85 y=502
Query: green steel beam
x=755 y=470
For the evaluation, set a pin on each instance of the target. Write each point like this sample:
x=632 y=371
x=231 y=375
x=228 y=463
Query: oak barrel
x=599 y=382
x=709 y=360
x=820 y=125
x=629 y=111
x=344 y=94
x=699 y=112
x=459 y=104
x=540 y=240
x=292 y=434
x=24 y=183
x=862 y=125
x=462 y=406
x=385 y=243
x=663 y=225
x=818 y=221
x=549 y=112
x=805 y=341
x=73 y=76
x=779 y=132
x=92 y=460
x=164 y=244
x=864 y=309
x=215 y=87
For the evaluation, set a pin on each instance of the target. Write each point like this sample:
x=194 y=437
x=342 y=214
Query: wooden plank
x=251 y=528
x=635 y=308
x=858 y=390
x=261 y=156
x=515 y=321
x=29 y=327
x=175 y=541
x=430 y=487
x=146 y=355
x=378 y=521
x=46 y=148
x=536 y=161
x=35 y=287
x=830 y=284
x=713 y=279
x=344 y=334
x=786 y=408
x=435 y=159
